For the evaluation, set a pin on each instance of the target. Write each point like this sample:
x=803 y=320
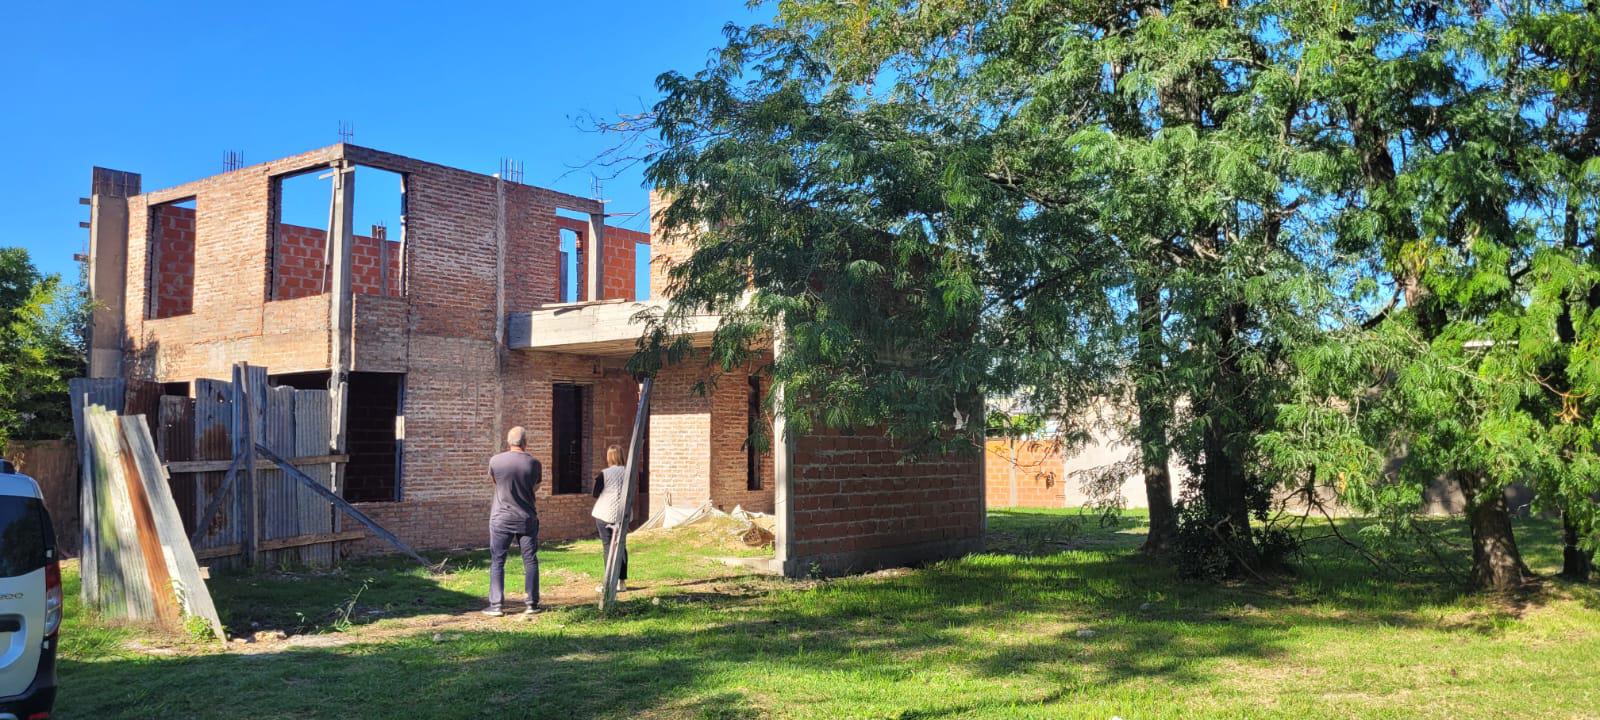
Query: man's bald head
x=517 y=437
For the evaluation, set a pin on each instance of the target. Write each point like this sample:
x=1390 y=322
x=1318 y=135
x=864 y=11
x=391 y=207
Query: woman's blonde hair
x=613 y=455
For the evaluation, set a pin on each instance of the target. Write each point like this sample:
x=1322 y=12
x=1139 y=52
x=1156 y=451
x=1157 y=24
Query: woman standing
x=609 y=486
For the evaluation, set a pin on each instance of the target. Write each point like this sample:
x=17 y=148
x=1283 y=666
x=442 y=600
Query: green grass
x=1060 y=620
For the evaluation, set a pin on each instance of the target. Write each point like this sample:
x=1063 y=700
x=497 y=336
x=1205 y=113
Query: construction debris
x=750 y=528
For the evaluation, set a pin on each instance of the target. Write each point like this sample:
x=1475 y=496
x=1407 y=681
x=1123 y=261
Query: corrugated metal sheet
x=124 y=589
x=84 y=392
x=279 y=499
x=175 y=443
x=312 y=433
x=187 y=589
x=291 y=423
x=213 y=426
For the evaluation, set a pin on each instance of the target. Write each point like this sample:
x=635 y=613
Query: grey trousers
x=500 y=544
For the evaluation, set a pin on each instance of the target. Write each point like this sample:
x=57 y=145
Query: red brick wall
x=298 y=263
x=618 y=271
x=229 y=320
x=729 y=432
x=463 y=387
x=477 y=247
x=1039 y=473
x=857 y=506
x=680 y=437
x=665 y=249
x=173 y=251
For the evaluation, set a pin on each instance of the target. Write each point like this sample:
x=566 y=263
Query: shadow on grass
x=1065 y=621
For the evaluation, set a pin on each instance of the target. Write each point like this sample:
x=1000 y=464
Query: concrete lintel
x=608 y=327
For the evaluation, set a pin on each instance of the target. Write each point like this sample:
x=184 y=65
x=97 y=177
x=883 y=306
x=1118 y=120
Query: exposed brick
x=1037 y=466
x=851 y=494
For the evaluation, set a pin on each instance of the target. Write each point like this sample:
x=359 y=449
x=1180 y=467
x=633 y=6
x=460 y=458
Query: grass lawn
x=1061 y=619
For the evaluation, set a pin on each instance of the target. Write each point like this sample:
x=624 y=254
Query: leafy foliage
x=1195 y=207
x=41 y=346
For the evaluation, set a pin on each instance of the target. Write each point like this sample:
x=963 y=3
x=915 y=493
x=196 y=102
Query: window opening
x=172 y=252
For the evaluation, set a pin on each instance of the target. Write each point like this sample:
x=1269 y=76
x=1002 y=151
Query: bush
x=1202 y=552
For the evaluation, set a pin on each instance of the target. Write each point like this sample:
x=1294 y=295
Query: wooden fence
x=54 y=464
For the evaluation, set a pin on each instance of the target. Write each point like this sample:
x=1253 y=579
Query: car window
x=25 y=539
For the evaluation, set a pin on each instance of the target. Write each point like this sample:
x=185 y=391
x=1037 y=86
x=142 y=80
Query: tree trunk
x=1496 y=562
x=1222 y=478
x=1154 y=413
x=1576 y=562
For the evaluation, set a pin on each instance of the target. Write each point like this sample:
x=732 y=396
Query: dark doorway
x=371 y=437
x=752 y=449
x=567 y=435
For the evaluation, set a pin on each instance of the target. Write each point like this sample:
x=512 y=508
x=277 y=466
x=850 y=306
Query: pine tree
x=1051 y=199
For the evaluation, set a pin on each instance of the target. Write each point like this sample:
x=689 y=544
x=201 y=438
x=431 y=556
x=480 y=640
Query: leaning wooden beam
x=608 y=594
x=290 y=470
x=202 y=524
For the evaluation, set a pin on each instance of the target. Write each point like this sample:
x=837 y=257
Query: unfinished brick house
x=478 y=304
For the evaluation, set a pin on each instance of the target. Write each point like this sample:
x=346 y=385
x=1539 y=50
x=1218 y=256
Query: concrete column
x=108 y=268
x=594 y=257
x=782 y=455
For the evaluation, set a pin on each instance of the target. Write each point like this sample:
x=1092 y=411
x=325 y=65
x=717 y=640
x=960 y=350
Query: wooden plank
x=286 y=543
x=641 y=420
x=340 y=503
x=300 y=541
x=244 y=444
x=219 y=551
x=206 y=466
x=187 y=587
x=204 y=521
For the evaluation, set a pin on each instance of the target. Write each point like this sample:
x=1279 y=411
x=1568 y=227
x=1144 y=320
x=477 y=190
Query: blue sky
x=165 y=89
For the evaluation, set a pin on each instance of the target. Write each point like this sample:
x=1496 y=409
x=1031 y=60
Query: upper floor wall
x=215 y=272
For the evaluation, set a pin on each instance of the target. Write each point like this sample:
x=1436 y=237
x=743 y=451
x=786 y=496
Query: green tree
x=1043 y=199
x=1462 y=146
x=41 y=346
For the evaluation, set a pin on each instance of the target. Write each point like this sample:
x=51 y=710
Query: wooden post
x=619 y=543
x=244 y=448
x=341 y=243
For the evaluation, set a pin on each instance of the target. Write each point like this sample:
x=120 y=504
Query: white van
x=30 y=600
